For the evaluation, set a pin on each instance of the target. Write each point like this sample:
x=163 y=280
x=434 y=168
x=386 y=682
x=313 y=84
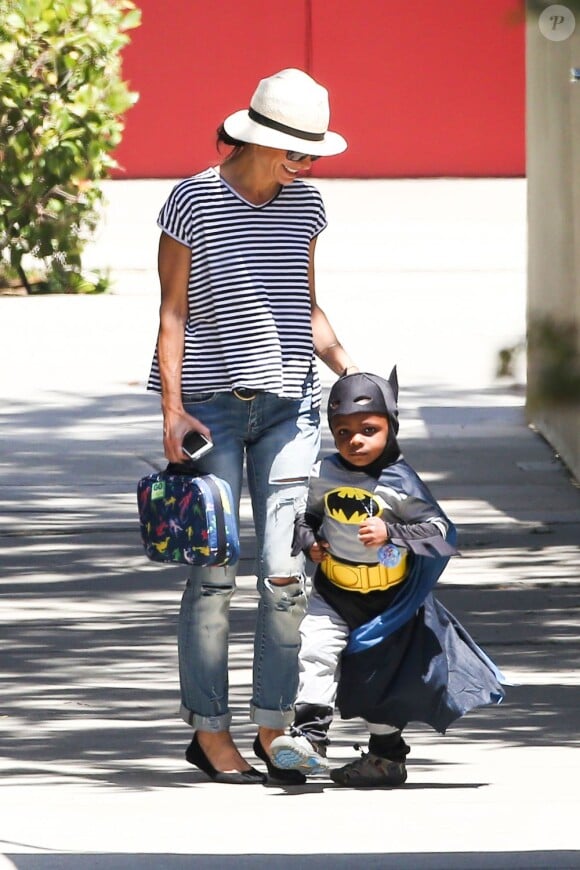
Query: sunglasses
x=297 y=156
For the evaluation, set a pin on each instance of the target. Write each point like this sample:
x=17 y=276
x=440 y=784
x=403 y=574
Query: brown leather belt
x=245 y=394
x=363 y=578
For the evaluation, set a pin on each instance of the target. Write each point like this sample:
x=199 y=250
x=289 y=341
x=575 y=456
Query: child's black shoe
x=370 y=771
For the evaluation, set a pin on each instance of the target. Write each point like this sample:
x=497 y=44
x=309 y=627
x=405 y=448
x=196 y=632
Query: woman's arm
x=174 y=262
x=326 y=345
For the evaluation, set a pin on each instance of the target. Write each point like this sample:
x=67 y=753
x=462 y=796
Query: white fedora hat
x=288 y=110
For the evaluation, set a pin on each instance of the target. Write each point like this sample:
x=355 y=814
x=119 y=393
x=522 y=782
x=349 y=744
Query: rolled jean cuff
x=205 y=723
x=271 y=718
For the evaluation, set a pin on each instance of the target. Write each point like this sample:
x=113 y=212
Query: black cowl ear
x=394 y=382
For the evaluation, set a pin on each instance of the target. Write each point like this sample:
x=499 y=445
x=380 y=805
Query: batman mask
x=369 y=394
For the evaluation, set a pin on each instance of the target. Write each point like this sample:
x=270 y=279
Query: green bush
x=62 y=99
x=554 y=353
x=553 y=356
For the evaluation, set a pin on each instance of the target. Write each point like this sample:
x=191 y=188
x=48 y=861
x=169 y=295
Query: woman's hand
x=176 y=424
x=373 y=532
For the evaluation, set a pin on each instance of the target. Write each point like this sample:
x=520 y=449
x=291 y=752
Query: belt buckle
x=365 y=578
x=244 y=394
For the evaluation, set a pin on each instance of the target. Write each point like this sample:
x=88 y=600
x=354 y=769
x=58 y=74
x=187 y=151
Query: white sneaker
x=297 y=753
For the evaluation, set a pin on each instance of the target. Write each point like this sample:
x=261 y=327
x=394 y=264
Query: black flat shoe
x=196 y=756
x=277 y=774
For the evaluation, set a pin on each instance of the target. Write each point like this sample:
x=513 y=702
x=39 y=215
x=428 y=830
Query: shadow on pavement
x=90 y=690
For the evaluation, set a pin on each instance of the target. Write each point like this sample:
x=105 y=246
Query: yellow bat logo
x=351 y=505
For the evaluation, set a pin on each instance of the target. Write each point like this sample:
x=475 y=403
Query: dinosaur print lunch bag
x=187 y=519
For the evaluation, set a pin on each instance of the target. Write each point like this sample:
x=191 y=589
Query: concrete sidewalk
x=428 y=275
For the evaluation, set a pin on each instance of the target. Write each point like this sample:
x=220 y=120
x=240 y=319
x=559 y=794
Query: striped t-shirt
x=249 y=320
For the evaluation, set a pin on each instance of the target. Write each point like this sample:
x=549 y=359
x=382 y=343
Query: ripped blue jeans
x=279 y=439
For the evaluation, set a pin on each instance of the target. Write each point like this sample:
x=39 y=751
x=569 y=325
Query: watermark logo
x=557 y=23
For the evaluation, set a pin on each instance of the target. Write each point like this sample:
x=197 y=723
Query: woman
x=239 y=327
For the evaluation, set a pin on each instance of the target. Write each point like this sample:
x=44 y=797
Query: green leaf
x=131 y=20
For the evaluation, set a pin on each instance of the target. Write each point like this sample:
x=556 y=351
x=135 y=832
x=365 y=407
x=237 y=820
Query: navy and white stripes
x=249 y=303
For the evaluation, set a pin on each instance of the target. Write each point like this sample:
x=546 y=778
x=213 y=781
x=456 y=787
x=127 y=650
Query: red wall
x=417 y=88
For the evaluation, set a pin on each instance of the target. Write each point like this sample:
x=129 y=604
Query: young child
x=374 y=641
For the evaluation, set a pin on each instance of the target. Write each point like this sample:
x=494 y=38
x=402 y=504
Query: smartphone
x=195 y=445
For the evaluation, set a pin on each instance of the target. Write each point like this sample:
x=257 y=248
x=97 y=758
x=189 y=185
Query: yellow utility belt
x=363 y=578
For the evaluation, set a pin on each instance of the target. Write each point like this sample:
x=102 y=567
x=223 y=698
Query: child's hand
x=318 y=550
x=372 y=532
